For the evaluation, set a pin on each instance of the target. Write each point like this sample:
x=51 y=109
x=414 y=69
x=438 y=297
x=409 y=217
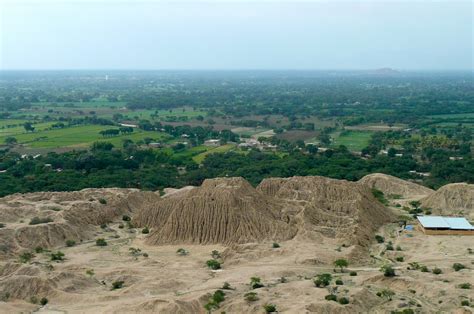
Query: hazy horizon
x=236 y=35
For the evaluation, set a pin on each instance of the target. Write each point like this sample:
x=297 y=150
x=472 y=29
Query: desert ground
x=285 y=232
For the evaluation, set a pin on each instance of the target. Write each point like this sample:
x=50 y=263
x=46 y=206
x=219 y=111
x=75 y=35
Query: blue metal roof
x=458 y=223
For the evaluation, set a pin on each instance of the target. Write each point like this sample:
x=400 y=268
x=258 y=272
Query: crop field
x=221 y=149
x=353 y=140
x=454 y=116
x=295 y=135
x=79 y=136
x=18 y=128
x=246 y=131
x=104 y=109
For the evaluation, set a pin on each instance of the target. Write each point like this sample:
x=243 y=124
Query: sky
x=218 y=35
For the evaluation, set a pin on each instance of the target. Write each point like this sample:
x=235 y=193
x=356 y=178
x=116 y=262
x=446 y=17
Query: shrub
x=213 y=264
x=256 y=282
x=322 y=280
x=121 y=226
x=37 y=220
x=103 y=201
x=101 y=242
x=399 y=248
x=269 y=308
x=145 y=230
x=275 y=245
x=215 y=254
x=43 y=301
x=39 y=249
x=343 y=300
x=437 y=271
x=339 y=282
x=386 y=293
x=353 y=273
x=424 y=269
x=70 y=243
x=34 y=300
x=389 y=246
x=90 y=272
x=2 y=225
x=399 y=258
x=215 y=300
x=465 y=285
x=126 y=218
x=58 y=256
x=226 y=286
x=331 y=297
x=251 y=296
x=380 y=196
x=465 y=303
x=103 y=226
x=388 y=271
x=182 y=252
x=135 y=251
x=458 y=266
x=26 y=257
x=117 y=284
x=379 y=239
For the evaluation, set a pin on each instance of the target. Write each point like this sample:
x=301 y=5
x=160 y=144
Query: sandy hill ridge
x=391 y=185
x=452 y=199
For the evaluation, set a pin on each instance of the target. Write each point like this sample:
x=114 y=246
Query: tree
x=29 y=127
x=341 y=263
x=323 y=280
x=415 y=204
x=388 y=271
x=10 y=141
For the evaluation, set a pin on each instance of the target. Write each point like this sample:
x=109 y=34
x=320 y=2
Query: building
x=129 y=125
x=155 y=145
x=212 y=142
x=439 y=225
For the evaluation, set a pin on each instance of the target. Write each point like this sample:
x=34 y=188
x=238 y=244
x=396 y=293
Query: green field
x=79 y=136
x=454 y=116
x=18 y=130
x=104 y=109
x=353 y=140
x=221 y=149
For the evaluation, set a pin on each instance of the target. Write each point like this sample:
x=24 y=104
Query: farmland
x=71 y=137
x=353 y=140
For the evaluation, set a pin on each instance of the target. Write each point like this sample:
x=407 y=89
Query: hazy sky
x=127 y=34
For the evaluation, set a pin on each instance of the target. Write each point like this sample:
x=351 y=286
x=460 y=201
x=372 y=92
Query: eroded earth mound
x=224 y=210
x=393 y=186
x=455 y=199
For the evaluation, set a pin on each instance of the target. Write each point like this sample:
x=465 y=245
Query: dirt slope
x=70 y=216
x=452 y=199
x=390 y=185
